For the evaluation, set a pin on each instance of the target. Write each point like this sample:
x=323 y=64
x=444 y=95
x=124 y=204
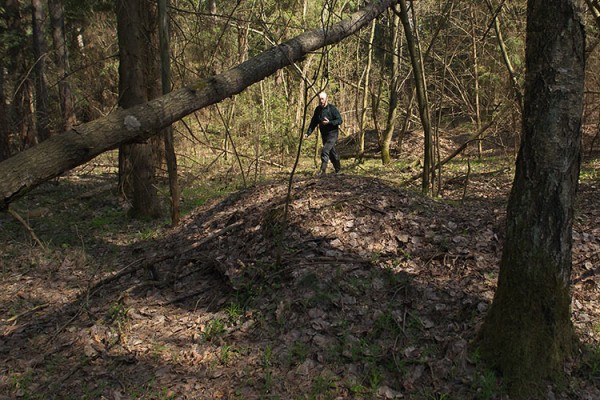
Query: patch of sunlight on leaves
x=588 y=173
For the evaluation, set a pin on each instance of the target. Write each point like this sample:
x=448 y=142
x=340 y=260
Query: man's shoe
x=323 y=169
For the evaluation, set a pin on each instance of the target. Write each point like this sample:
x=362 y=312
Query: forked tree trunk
x=528 y=333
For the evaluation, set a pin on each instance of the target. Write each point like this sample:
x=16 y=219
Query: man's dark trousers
x=329 y=152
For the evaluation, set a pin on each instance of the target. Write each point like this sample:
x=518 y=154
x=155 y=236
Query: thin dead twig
x=28 y=228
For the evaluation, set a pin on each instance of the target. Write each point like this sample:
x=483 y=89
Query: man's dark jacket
x=332 y=114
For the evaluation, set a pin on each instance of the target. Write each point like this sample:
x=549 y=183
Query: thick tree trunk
x=39 y=58
x=59 y=38
x=528 y=332
x=60 y=153
x=138 y=83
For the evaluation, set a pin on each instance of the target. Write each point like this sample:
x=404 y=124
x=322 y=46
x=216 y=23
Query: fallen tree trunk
x=26 y=170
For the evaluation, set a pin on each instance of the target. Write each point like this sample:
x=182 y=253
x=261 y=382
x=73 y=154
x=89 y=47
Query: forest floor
x=367 y=290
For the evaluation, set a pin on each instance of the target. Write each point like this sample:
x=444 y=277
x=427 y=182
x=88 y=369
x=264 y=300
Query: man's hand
x=325 y=121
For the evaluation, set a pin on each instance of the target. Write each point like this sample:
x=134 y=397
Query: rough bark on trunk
x=59 y=39
x=39 y=58
x=17 y=63
x=4 y=131
x=138 y=81
x=28 y=169
x=528 y=332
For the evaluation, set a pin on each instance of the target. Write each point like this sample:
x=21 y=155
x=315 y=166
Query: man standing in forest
x=329 y=119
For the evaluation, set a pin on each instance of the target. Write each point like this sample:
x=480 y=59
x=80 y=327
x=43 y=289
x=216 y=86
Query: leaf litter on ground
x=365 y=291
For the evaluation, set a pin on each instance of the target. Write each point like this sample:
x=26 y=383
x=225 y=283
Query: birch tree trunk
x=528 y=333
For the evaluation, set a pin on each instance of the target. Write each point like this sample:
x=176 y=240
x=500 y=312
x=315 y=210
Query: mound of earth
x=359 y=290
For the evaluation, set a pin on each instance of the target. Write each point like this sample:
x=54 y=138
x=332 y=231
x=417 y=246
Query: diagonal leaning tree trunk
x=26 y=170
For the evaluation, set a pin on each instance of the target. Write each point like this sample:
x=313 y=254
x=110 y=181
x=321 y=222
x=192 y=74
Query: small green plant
x=21 y=383
x=487 y=385
x=357 y=388
x=321 y=386
x=298 y=352
x=404 y=255
x=429 y=394
x=233 y=311
x=375 y=256
x=147 y=234
x=267 y=355
x=593 y=361
x=101 y=221
x=149 y=390
x=268 y=376
x=375 y=378
x=226 y=354
x=214 y=329
x=386 y=324
x=117 y=313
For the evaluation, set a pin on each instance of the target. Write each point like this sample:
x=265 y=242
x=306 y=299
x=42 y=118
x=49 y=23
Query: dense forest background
x=63 y=70
x=371 y=284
